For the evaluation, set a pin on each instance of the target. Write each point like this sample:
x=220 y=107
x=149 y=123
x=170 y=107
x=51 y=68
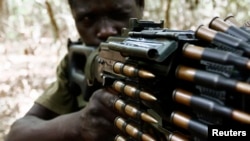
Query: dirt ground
x=24 y=73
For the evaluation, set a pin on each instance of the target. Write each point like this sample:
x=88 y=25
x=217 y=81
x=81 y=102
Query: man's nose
x=106 y=29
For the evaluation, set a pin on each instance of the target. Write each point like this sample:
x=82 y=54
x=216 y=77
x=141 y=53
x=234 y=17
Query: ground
x=25 y=73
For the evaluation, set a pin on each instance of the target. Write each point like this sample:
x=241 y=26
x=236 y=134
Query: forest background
x=33 y=36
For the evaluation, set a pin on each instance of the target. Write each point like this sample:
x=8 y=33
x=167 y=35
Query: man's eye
x=86 y=20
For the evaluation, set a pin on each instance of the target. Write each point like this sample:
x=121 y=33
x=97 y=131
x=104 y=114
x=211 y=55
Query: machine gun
x=174 y=84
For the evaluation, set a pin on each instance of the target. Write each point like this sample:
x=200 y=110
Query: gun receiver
x=174 y=84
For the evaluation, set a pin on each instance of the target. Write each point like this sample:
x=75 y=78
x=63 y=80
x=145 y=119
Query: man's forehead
x=103 y=5
x=87 y=2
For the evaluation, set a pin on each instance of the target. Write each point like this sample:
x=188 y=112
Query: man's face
x=96 y=20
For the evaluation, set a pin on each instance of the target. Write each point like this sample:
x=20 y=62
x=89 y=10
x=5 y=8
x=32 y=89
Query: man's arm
x=41 y=124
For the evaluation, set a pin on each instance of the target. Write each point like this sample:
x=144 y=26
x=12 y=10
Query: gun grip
x=77 y=58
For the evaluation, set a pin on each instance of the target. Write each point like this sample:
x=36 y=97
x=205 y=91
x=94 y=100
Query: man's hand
x=97 y=118
x=93 y=123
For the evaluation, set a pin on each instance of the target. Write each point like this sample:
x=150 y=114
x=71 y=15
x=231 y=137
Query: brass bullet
x=182 y=96
x=119 y=138
x=186 y=73
x=180 y=119
x=131 y=130
x=130 y=110
x=177 y=137
x=131 y=71
x=186 y=122
x=219 y=24
x=241 y=116
x=248 y=65
x=232 y=21
x=132 y=91
x=243 y=87
x=212 y=79
x=189 y=99
x=192 y=51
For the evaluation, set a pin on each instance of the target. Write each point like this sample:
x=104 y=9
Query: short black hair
x=138 y=2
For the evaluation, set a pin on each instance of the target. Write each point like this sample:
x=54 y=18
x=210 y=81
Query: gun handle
x=77 y=58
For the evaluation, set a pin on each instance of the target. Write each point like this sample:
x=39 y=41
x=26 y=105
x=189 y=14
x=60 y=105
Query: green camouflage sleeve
x=57 y=97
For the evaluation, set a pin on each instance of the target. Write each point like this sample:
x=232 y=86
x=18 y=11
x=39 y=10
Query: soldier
x=57 y=114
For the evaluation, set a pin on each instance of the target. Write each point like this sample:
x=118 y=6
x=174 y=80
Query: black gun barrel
x=157 y=50
x=133 y=50
x=177 y=35
x=138 y=25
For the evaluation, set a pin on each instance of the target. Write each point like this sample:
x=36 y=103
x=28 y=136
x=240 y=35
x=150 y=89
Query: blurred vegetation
x=188 y=14
x=34 y=19
x=31 y=29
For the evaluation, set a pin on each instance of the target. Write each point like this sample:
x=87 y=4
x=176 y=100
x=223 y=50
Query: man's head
x=96 y=20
